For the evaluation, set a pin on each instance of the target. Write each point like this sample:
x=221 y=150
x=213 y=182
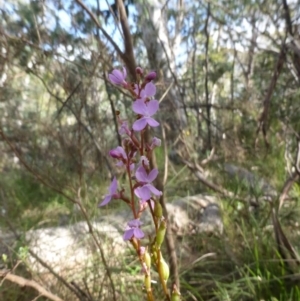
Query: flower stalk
x=143 y=194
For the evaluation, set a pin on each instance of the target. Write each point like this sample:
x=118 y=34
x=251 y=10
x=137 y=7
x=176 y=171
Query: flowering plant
x=143 y=195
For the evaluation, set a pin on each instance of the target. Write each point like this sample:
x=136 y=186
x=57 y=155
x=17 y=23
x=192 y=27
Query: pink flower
x=144 y=192
x=146 y=110
x=111 y=194
x=118 y=153
x=133 y=230
x=118 y=78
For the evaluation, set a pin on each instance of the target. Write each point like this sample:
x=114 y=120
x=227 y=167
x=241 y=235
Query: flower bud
x=160 y=236
x=139 y=70
x=155 y=143
x=158 y=210
x=163 y=269
x=150 y=76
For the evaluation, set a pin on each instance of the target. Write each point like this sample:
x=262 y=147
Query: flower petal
x=143 y=193
x=143 y=95
x=140 y=124
x=139 y=107
x=152 y=122
x=128 y=234
x=113 y=186
x=118 y=152
x=152 y=107
x=138 y=233
x=135 y=223
x=141 y=174
x=106 y=200
x=150 y=89
x=154 y=190
x=122 y=152
x=113 y=79
x=116 y=77
x=152 y=175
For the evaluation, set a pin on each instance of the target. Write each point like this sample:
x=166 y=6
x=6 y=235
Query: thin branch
x=68 y=98
x=286 y=188
x=206 y=78
x=263 y=119
x=287 y=17
x=30 y=283
x=128 y=56
x=95 y=20
x=128 y=44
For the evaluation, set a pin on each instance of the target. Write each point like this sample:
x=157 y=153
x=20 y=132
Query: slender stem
x=131 y=190
x=150 y=295
x=142 y=144
x=153 y=217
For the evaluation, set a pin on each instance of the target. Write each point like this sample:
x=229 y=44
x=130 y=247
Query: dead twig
x=6 y=275
x=285 y=249
x=263 y=119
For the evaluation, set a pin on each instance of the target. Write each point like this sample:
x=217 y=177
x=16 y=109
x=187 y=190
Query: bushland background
x=228 y=81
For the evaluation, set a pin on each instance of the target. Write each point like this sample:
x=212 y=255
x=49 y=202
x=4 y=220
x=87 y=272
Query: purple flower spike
x=146 y=111
x=112 y=192
x=144 y=192
x=133 y=230
x=150 y=76
x=118 y=78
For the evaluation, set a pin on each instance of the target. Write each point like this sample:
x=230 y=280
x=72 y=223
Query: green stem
x=150 y=295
